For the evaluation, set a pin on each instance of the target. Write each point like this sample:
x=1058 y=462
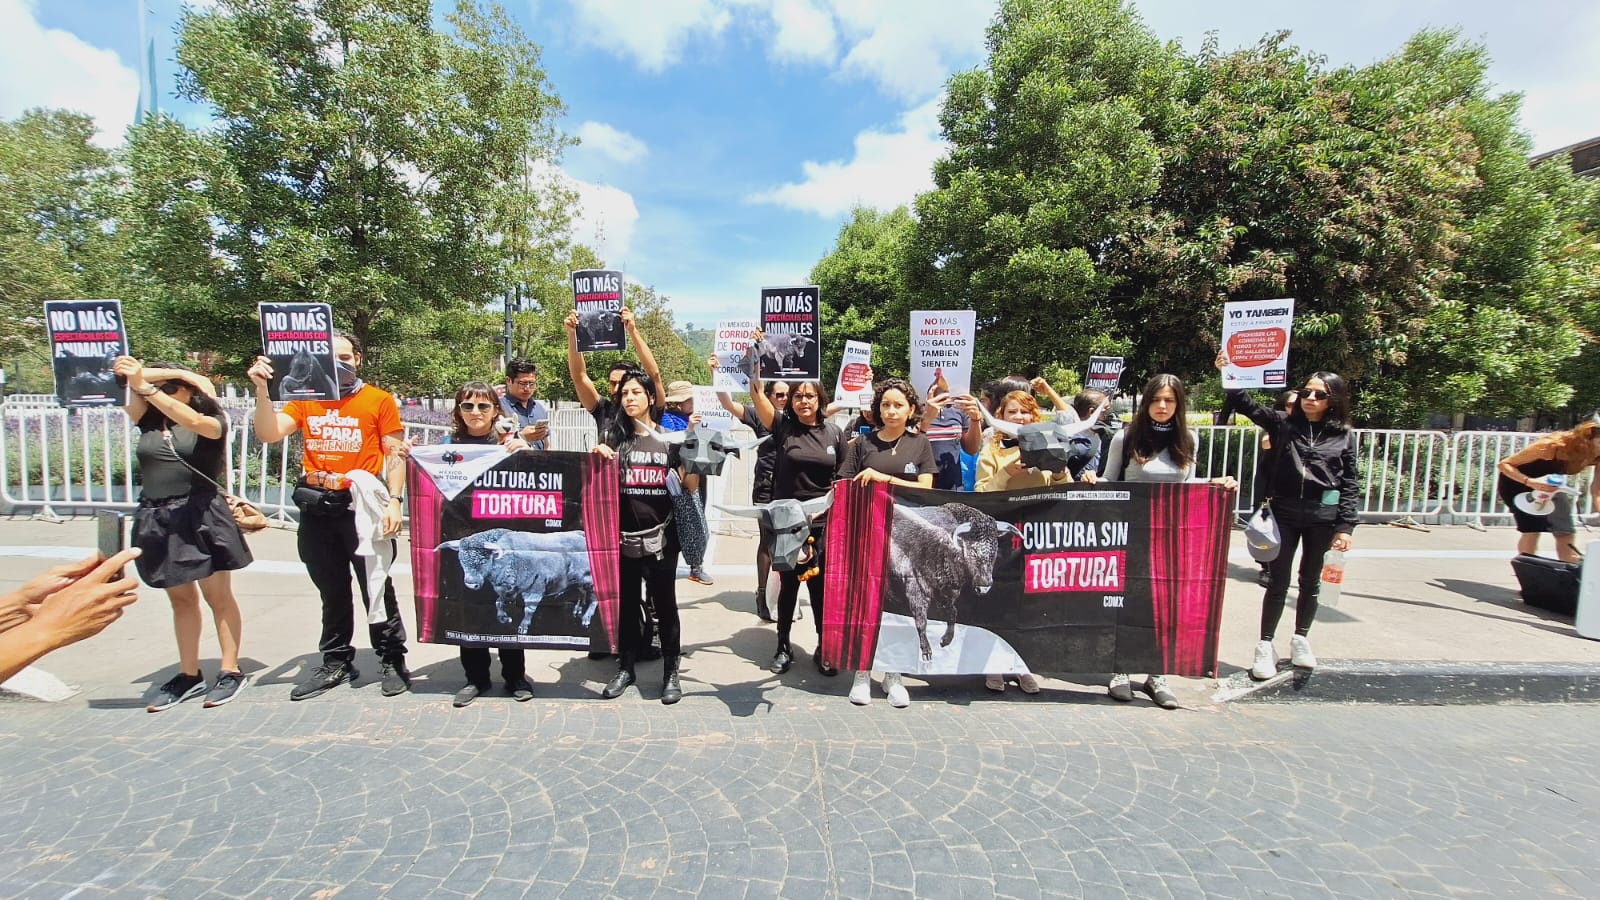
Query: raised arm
x=647 y=360
x=144 y=392
x=587 y=395
x=765 y=411
x=734 y=407
x=271 y=426
x=1040 y=385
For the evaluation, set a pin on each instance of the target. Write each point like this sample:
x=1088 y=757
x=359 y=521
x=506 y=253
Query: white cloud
x=52 y=68
x=611 y=142
x=804 y=33
x=606 y=216
x=889 y=168
x=653 y=33
x=909 y=47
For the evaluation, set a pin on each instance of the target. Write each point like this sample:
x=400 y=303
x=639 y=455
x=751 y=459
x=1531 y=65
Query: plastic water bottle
x=1332 y=578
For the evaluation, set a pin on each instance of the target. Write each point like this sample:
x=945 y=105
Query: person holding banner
x=810 y=452
x=358 y=433
x=650 y=473
x=189 y=541
x=473 y=422
x=1313 y=486
x=1565 y=453
x=1156 y=446
x=1000 y=461
x=761 y=481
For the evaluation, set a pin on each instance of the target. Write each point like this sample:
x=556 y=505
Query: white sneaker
x=1028 y=683
x=899 y=698
x=1300 y=655
x=1266 y=664
x=996 y=683
x=861 y=690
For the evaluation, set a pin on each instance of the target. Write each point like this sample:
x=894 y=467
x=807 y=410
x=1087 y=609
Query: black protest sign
x=597 y=296
x=1105 y=372
x=86 y=337
x=791 y=320
x=298 y=338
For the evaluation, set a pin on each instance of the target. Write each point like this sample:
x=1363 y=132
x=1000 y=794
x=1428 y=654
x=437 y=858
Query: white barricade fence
x=32 y=401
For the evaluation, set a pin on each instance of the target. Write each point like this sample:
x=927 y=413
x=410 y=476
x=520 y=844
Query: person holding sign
x=810 y=452
x=473 y=422
x=761 y=481
x=1156 y=446
x=604 y=409
x=1565 y=453
x=358 y=433
x=1313 y=488
x=184 y=529
x=650 y=472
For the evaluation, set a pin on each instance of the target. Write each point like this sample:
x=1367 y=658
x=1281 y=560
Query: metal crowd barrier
x=54 y=460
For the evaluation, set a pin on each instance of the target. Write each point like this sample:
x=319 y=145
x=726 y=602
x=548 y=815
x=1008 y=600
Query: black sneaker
x=396 y=678
x=228 y=686
x=323 y=679
x=521 y=689
x=181 y=687
x=466 y=695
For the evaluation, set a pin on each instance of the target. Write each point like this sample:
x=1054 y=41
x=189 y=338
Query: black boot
x=619 y=684
x=671 y=691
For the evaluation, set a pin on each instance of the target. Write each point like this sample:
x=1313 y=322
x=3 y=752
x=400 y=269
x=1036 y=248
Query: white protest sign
x=1255 y=337
x=712 y=415
x=941 y=348
x=732 y=337
x=853 y=388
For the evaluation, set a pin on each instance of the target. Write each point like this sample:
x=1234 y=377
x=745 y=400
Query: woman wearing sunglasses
x=189 y=540
x=1312 y=486
x=476 y=416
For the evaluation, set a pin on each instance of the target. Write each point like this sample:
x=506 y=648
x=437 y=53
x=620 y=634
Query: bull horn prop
x=1009 y=429
x=748 y=512
x=816 y=506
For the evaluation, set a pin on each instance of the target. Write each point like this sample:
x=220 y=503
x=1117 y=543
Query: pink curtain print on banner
x=600 y=525
x=427 y=507
x=1188 y=557
x=855 y=563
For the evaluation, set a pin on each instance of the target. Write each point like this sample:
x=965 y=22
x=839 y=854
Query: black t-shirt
x=906 y=457
x=161 y=474
x=766 y=457
x=603 y=413
x=644 y=465
x=808 y=457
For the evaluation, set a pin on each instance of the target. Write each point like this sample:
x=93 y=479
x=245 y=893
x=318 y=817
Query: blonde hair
x=1029 y=406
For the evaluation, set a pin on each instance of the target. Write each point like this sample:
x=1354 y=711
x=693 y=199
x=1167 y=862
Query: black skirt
x=187 y=538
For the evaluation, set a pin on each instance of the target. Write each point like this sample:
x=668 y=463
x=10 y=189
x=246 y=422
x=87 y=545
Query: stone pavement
x=759 y=785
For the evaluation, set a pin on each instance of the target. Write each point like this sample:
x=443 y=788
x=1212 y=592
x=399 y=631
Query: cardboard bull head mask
x=1048 y=445
x=705 y=449
x=790 y=524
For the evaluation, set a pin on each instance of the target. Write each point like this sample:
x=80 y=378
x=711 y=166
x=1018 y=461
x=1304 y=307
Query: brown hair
x=1030 y=405
x=1574 y=449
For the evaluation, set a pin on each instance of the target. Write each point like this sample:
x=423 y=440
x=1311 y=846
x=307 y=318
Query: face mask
x=349 y=382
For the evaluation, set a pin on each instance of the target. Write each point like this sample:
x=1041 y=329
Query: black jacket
x=1310 y=459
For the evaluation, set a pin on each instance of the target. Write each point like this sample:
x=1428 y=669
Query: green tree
x=864 y=295
x=361 y=156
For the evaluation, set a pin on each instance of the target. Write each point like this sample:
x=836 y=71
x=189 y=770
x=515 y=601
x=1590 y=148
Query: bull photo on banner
x=791 y=321
x=1114 y=577
x=298 y=338
x=597 y=296
x=514 y=549
x=86 y=337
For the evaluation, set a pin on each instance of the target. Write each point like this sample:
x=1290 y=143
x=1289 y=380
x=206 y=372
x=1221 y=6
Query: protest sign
x=514 y=549
x=86 y=337
x=712 y=415
x=597 y=296
x=298 y=338
x=853 y=387
x=1112 y=577
x=791 y=319
x=729 y=345
x=1105 y=372
x=1255 y=338
x=941 y=349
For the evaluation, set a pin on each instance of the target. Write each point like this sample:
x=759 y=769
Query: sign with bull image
x=597 y=296
x=791 y=324
x=298 y=338
x=501 y=551
x=1114 y=577
x=86 y=337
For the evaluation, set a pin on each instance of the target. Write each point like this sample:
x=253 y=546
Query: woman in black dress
x=183 y=525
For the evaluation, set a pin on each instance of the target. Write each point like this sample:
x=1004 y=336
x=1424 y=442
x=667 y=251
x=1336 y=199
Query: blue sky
x=724 y=141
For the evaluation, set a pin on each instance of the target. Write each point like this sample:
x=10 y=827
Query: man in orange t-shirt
x=360 y=430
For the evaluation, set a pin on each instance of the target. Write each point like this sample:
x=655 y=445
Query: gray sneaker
x=322 y=679
x=228 y=686
x=181 y=687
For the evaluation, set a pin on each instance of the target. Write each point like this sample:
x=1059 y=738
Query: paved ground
x=759 y=786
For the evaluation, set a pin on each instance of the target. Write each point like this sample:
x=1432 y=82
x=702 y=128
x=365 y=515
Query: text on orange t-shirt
x=345 y=435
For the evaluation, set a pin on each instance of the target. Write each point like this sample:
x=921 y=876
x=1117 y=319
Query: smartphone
x=113 y=537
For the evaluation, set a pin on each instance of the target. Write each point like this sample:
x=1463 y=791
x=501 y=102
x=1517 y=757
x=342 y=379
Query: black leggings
x=662 y=577
x=763 y=562
x=1314 y=541
x=789 y=592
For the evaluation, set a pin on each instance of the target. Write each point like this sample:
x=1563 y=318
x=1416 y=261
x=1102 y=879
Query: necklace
x=894 y=449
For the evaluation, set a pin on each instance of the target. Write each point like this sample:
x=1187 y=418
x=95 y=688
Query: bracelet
x=150 y=390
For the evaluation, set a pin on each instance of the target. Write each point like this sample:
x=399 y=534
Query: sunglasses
x=171 y=387
x=476 y=407
x=1313 y=395
x=812 y=397
x=780 y=395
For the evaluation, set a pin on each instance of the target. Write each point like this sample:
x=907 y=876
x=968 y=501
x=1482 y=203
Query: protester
x=353 y=472
x=692 y=531
x=1157 y=446
x=1265 y=460
x=953 y=425
x=1000 y=465
x=530 y=416
x=1313 y=488
x=189 y=541
x=604 y=409
x=1563 y=453
x=649 y=468
x=1101 y=435
x=810 y=451
x=473 y=422
x=891 y=454
x=761 y=480
x=679 y=406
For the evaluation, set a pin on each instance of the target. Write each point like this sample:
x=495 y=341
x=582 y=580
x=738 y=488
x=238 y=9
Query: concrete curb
x=1418 y=683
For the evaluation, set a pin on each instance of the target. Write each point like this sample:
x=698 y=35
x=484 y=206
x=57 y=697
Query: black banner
x=86 y=337
x=597 y=296
x=298 y=338
x=791 y=318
